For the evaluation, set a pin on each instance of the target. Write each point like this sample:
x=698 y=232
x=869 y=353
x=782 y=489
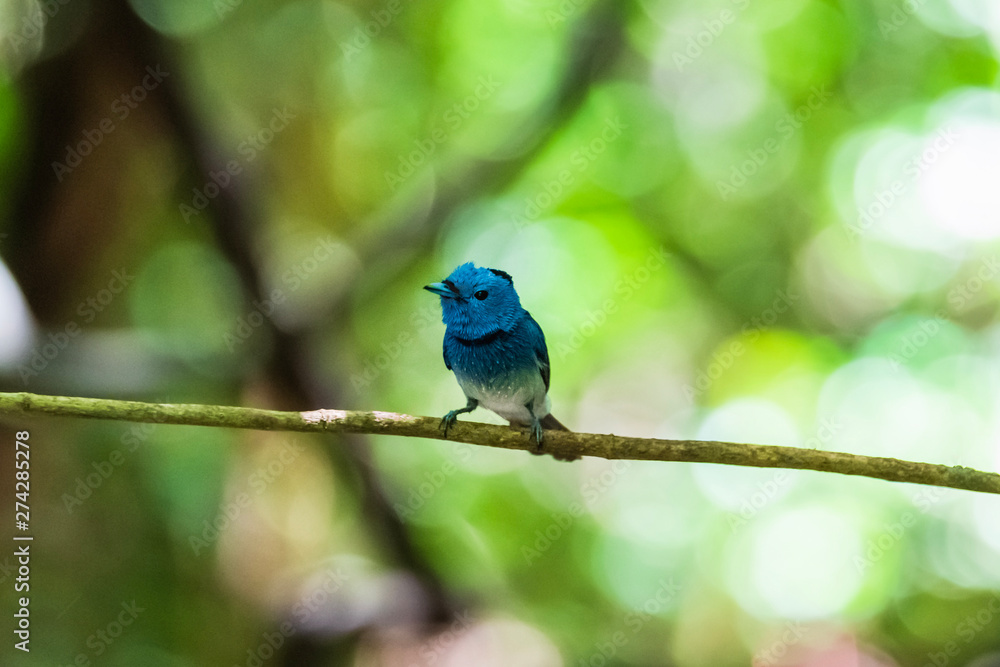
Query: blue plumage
x=495 y=348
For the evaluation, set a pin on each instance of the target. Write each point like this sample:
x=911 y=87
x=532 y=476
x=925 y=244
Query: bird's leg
x=452 y=416
x=536 y=428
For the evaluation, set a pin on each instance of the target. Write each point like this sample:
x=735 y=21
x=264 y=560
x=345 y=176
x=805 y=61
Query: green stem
x=561 y=443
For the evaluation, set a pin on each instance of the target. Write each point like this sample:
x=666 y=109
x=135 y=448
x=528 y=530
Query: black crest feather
x=503 y=274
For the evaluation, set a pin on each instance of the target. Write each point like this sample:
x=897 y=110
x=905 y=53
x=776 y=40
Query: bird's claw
x=448 y=421
x=536 y=430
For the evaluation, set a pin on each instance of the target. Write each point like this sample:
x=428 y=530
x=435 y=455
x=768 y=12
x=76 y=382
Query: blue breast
x=495 y=360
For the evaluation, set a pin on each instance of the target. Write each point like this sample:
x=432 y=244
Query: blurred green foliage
x=759 y=222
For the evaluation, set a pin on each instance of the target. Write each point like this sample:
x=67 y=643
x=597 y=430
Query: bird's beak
x=442 y=290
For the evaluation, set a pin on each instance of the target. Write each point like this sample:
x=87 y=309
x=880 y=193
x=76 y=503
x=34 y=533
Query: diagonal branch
x=405 y=228
x=561 y=443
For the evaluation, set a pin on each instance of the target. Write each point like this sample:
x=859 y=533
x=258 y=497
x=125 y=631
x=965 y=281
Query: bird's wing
x=541 y=352
x=447 y=361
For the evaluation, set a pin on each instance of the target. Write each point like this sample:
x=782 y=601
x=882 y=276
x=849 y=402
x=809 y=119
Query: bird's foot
x=448 y=421
x=536 y=430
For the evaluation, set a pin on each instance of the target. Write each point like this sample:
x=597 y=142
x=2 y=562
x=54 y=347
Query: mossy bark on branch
x=561 y=443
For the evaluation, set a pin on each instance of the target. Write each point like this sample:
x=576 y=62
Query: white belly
x=509 y=402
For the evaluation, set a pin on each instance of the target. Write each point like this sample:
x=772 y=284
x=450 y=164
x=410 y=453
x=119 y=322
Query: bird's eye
x=481 y=294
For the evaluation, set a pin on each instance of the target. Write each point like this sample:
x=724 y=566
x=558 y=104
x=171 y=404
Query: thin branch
x=404 y=229
x=560 y=443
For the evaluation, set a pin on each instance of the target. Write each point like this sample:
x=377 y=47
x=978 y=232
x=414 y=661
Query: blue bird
x=495 y=348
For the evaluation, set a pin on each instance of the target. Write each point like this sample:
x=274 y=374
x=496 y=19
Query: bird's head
x=477 y=301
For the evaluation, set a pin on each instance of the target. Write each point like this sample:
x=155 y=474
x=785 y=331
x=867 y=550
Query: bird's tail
x=552 y=424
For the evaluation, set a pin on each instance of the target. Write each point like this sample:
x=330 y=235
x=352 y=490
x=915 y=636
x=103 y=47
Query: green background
x=769 y=222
